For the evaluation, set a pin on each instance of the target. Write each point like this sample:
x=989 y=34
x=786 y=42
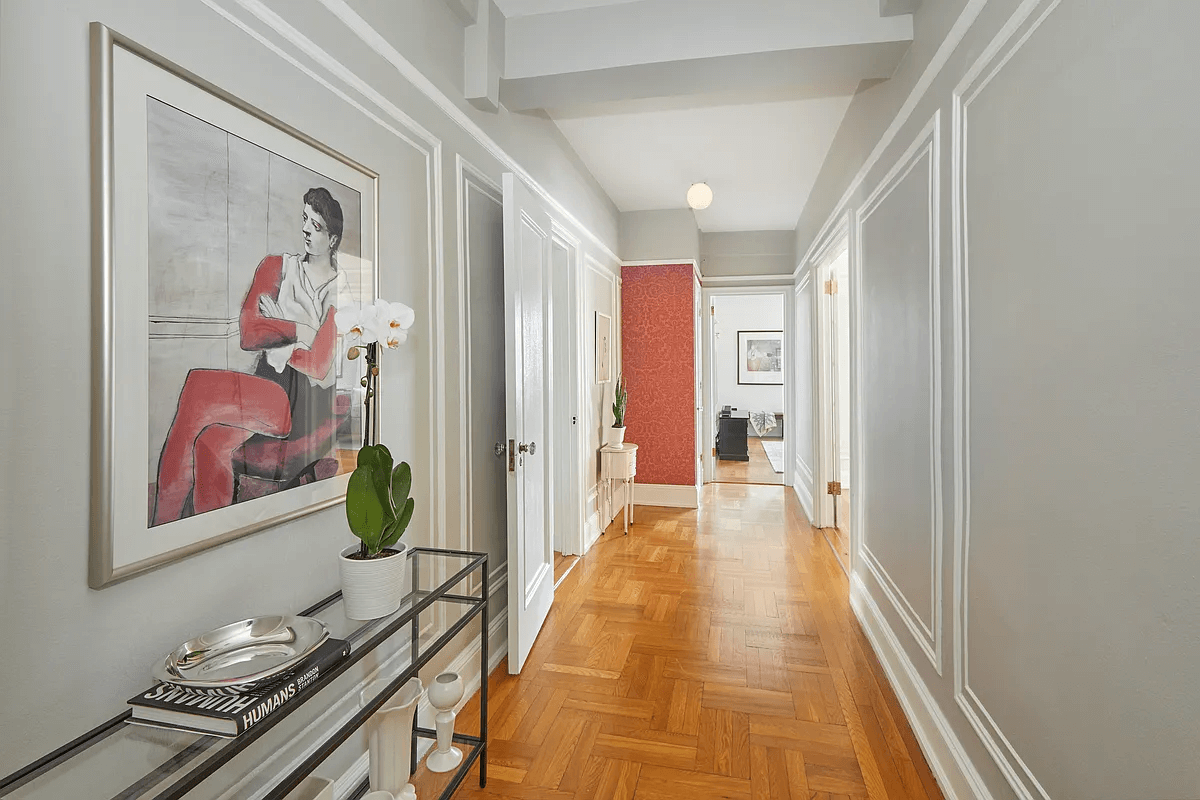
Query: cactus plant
x=620 y=399
x=378 y=507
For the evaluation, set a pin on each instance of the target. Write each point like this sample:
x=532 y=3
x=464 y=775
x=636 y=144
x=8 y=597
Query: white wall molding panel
x=921 y=162
x=1011 y=38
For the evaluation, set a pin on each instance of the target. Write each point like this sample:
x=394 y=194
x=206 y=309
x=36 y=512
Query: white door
x=530 y=551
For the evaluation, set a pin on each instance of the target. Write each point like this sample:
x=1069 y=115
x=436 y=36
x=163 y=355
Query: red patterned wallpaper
x=657 y=341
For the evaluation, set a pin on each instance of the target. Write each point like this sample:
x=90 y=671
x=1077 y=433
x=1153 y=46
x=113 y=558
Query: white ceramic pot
x=374 y=588
x=616 y=436
x=389 y=738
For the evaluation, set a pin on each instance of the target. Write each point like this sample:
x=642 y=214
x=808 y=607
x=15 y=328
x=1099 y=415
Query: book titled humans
x=174 y=706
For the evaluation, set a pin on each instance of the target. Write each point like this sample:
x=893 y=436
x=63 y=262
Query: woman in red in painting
x=275 y=427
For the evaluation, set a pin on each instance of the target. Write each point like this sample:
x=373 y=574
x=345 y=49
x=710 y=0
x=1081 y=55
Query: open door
x=530 y=550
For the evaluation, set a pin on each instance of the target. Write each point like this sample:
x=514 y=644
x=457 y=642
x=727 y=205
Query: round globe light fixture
x=699 y=196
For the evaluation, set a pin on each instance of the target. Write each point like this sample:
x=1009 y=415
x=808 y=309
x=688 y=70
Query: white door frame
x=825 y=434
x=564 y=428
x=732 y=286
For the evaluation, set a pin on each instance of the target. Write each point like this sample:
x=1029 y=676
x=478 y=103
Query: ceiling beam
x=810 y=72
x=483 y=57
x=467 y=11
x=666 y=31
x=894 y=8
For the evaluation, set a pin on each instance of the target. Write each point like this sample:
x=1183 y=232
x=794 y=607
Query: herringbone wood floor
x=757 y=470
x=709 y=654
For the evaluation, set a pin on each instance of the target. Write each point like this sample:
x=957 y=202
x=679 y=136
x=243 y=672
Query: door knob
x=530 y=448
x=498 y=448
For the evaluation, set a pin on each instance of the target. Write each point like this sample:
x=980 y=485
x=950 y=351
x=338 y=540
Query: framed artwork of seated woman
x=221 y=406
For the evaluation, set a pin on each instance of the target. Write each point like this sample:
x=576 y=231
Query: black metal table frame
x=423 y=600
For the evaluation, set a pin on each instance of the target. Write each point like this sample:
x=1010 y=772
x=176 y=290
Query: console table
x=120 y=759
x=618 y=462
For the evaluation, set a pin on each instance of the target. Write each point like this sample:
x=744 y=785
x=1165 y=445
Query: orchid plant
x=378 y=506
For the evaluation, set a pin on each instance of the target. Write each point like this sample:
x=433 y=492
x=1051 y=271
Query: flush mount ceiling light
x=699 y=196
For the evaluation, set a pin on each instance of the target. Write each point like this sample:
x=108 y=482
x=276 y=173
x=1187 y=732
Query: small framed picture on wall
x=603 y=348
x=760 y=357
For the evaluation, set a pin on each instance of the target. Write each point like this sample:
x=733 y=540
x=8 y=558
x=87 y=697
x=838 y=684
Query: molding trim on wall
x=748 y=280
x=660 y=494
x=993 y=59
x=804 y=495
x=468 y=178
x=929 y=635
x=425 y=143
x=963 y=24
x=956 y=774
x=804 y=470
x=592 y=531
x=382 y=47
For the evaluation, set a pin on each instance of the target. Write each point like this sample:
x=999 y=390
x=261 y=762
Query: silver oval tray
x=242 y=654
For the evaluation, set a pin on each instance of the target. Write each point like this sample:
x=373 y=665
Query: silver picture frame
x=760 y=358
x=113 y=366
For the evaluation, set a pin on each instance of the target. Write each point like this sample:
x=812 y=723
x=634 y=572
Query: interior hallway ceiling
x=746 y=95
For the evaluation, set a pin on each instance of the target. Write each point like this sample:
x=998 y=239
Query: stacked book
x=226 y=711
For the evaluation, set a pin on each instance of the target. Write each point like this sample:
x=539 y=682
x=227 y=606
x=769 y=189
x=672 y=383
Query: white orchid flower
x=393 y=321
x=357 y=324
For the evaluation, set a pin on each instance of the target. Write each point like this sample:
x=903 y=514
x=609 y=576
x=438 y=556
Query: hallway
x=711 y=653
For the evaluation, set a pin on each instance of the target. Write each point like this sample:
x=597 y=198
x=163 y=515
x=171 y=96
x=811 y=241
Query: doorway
x=747 y=373
x=564 y=481
x=834 y=388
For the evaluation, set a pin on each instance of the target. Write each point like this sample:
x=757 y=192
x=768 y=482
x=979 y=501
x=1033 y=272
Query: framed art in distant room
x=603 y=348
x=223 y=240
x=760 y=357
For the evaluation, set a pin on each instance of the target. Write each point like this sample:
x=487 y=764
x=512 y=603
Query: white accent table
x=618 y=462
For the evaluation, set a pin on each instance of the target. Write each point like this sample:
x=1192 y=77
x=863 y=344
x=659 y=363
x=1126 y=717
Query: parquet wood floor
x=711 y=653
x=562 y=564
x=757 y=470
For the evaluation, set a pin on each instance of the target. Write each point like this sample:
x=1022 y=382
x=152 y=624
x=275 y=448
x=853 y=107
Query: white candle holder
x=444 y=694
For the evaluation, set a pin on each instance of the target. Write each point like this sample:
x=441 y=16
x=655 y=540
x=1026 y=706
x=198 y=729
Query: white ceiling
x=761 y=160
x=525 y=8
x=657 y=94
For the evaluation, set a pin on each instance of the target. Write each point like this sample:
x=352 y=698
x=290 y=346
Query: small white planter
x=376 y=587
x=616 y=436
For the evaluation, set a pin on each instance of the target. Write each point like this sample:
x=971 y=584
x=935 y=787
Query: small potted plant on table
x=378 y=506
x=620 y=399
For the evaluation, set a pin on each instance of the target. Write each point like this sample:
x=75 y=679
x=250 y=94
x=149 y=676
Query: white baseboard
x=804 y=495
x=591 y=531
x=956 y=775
x=657 y=494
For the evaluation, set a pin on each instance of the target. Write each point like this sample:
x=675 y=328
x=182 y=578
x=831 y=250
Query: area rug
x=774 y=450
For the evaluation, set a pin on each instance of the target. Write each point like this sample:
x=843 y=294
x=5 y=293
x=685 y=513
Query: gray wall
x=747 y=253
x=666 y=234
x=1027 y=403
x=83 y=652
